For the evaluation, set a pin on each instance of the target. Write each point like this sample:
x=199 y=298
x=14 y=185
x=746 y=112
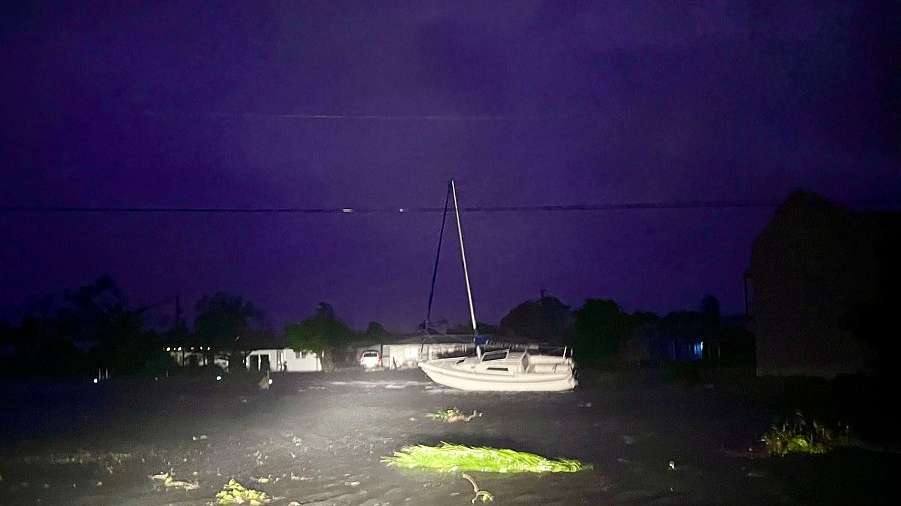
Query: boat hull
x=441 y=372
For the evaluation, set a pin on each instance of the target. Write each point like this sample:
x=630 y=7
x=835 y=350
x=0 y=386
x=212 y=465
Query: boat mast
x=472 y=311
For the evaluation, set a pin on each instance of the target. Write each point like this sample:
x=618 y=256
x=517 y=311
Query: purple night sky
x=329 y=104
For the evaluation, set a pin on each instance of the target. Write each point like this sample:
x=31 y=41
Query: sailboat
x=501 y=370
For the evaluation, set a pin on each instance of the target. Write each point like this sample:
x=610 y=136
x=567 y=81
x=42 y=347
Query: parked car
x=370 y=359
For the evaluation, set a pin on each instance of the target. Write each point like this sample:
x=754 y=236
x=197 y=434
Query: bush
x=798 y=435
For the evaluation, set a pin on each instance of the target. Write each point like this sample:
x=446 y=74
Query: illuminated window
x=699 y=349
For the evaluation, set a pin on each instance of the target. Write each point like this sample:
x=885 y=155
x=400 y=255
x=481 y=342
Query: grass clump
x=235 y=493
x=451 y=458
x=800 y=435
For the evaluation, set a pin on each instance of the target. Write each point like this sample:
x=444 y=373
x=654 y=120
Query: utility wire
x=380 y=210
x=697 y=204
x=349 y=117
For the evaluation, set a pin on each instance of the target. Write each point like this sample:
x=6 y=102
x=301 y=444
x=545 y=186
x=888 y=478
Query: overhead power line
x=383 y=210
x=348 y=117
x=694 y=204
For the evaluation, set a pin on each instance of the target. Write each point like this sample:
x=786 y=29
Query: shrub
x=798 y=435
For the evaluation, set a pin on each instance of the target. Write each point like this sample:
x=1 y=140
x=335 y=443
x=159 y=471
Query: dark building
x=821 y=285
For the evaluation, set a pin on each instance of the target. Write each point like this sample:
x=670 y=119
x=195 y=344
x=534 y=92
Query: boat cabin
x=508 y=361
x=502 y=361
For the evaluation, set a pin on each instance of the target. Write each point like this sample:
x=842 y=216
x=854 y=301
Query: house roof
x=818 y=231
x=418 y=338
x=245 y=340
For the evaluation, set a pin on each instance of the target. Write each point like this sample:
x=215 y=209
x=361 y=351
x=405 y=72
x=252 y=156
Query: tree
x=599 y=329
x=220 y=319
x=710 y=308
x=5 y=333
x=544 y=319
x=375 y=329
x=99 y=313
x=95 y=316
x=485 y=329
x=324 y=334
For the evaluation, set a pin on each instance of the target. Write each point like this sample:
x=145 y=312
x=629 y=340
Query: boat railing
x=544 y=349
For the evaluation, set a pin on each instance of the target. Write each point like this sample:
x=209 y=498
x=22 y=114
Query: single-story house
x=282 y=360
x=400 y=351
x=261 y=351
x=266 y=351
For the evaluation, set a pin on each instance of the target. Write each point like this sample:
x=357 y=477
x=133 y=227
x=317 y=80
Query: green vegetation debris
x=453 y=415
x=450 y=458
x=798 y=435
x=235 y=493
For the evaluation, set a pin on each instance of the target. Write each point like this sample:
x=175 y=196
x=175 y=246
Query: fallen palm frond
x=235 y=493
x=450 y=457
x=453 y=415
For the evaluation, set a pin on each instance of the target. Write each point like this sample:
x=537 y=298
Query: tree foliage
x=544 y=320
x=97 y=311
x=710 y=308
x=375 y=329
x=95 y=317
x=220 y=319
x=324 y=334
x=599 y=329
x=222 y=316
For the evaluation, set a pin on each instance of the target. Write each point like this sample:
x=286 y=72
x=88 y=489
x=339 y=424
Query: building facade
x=815 y=270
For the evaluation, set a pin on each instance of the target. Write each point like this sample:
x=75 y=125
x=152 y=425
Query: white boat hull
x=546 y=376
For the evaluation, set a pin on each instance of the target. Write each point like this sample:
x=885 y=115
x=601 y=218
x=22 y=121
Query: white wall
x=286 y=360
x=400 y=355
